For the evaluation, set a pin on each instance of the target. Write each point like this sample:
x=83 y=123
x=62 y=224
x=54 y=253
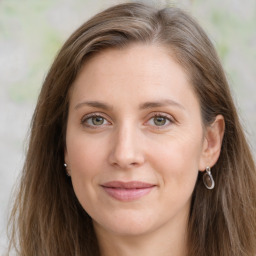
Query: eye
x=94 y=121
x=160 y=120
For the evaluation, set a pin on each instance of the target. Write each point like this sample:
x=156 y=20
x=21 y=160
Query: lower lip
x=123 y=194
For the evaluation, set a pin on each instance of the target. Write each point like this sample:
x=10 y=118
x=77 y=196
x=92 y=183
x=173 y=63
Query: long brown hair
x=47 y=219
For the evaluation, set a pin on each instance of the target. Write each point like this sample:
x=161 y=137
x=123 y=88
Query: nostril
x=124 y=165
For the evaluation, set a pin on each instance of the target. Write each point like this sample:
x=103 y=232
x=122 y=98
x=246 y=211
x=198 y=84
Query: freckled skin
x=129 y=145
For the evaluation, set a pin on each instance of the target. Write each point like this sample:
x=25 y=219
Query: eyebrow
x=95 y=104
x=161 y=103
x=146 y=105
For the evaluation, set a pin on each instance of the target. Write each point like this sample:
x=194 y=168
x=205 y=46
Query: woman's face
x=134 y=140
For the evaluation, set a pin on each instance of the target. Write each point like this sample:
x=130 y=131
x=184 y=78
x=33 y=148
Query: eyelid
x=169 y=117
x=94 y=114
x=163 y=114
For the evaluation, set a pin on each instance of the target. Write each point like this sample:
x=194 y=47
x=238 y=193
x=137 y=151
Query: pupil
x=159 y=121
x=97 y=120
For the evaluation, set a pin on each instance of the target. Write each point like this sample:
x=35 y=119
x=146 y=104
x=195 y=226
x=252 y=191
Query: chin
x=128 y=224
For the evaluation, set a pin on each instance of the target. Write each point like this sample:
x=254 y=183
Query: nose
x=126 y=150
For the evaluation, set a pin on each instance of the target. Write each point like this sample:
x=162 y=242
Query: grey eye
x=159 y=120
x=97 y=120
x=94 y=121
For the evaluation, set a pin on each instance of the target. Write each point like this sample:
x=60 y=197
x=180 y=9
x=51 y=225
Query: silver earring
x=66 y=169
x=208 y=179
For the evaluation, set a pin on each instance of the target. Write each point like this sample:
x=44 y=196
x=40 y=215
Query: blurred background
x=32 y=31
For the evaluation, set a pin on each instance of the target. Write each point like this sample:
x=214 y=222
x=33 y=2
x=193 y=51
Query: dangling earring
x=66 y=169
x=208 y=179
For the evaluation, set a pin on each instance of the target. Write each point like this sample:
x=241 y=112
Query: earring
x=208 y=179
x=66 y=169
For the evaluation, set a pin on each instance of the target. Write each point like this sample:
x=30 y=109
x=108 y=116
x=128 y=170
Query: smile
x=127 y=191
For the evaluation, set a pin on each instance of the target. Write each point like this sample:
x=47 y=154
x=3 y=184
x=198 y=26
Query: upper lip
x=127 y=185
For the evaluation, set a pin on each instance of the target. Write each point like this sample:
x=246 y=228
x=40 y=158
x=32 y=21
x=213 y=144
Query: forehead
x=140 y=71
x=150 y=58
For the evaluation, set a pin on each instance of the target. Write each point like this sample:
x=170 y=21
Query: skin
x=128 y=142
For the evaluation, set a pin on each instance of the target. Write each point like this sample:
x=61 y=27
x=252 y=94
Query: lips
x=127 y=191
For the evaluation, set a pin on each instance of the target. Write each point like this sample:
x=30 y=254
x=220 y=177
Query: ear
x=212 y=143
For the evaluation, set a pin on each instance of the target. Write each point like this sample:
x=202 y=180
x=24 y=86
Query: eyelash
x=167 y=118
x=90 y=116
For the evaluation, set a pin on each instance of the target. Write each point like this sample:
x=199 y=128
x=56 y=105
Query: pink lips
x=127 y=191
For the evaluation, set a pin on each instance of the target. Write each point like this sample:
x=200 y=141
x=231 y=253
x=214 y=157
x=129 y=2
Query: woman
x=136 y=147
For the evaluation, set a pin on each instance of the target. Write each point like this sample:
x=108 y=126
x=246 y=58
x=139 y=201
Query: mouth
x=127 y=191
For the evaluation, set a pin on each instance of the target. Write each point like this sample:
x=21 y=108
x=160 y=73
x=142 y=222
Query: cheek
x=178 y=161
x=83 y=153
x=85 y=161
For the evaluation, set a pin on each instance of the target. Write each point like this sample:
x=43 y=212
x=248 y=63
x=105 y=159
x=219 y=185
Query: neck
x=163 y=241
